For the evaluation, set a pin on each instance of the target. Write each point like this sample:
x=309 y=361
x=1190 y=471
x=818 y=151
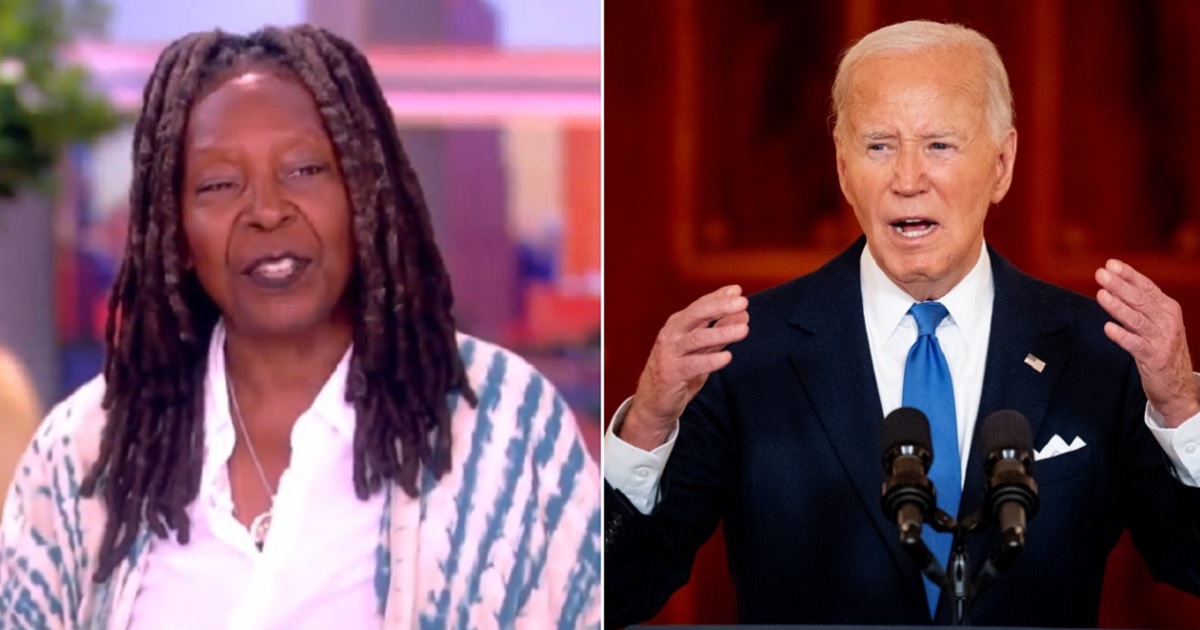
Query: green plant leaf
x=52 y=105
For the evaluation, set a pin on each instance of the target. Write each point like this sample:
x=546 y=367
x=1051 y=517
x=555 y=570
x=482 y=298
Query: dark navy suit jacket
x=783 y=447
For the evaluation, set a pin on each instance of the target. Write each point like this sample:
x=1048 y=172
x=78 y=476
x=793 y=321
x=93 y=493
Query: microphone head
x=907 y=453
x=905 y=427
x=1006 y=430
x=1008 y=445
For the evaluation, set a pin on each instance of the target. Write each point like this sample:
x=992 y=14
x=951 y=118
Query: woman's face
x=265 y=211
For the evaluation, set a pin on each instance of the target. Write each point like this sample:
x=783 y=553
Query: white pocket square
x=1058 y=446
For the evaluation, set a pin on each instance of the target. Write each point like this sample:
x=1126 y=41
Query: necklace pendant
x=260 y=527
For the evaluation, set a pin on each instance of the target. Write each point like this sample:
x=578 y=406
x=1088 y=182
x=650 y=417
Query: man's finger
x=1134 y=277
x=1123 y=289
x=720 y=303
x=740 y=317
x=695 y=365
x=1133 y=344
x=1131 y=318
x=709 y=339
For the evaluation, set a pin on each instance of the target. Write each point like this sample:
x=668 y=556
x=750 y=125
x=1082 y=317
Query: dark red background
x=1103 y=93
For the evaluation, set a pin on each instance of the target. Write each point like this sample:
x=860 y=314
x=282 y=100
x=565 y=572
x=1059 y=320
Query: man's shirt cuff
x=1182 y=444
x=636 y=473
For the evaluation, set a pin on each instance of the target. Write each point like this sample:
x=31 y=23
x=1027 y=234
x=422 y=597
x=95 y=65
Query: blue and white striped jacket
x=509 y=538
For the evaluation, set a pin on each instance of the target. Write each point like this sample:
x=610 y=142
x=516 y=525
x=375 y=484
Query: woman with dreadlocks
x=289 y=432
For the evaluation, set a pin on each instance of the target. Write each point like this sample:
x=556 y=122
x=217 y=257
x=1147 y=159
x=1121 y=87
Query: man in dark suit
x=776 y=431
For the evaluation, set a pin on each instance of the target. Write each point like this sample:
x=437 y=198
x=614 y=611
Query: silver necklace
x=261 y=525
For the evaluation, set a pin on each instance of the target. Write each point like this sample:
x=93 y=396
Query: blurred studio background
x=498 y=105
x=720 y=169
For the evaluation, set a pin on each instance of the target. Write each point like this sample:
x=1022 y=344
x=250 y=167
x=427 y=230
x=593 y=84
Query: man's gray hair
x=921 y=35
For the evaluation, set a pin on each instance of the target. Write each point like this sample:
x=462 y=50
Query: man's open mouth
x=913 y=228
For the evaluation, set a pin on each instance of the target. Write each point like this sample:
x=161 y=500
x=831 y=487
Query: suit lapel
x=1022 y=325
x=831 y=358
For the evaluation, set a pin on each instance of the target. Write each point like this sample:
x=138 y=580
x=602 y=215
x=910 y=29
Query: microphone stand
x=958 y=580
x=965 y=590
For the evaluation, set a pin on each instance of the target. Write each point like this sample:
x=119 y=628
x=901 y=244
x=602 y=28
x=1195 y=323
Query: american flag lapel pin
x=1035 y=363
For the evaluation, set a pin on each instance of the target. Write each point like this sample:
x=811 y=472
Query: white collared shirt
x=963 y=336
x=317 y=568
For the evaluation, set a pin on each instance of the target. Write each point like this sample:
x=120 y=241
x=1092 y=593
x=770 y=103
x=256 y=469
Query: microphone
x=908 y=495
x=1011 y=497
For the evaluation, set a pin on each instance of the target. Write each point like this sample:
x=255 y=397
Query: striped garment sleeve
x=38 y=590
x=555 y=579
x=512 y=534
x=569 y=495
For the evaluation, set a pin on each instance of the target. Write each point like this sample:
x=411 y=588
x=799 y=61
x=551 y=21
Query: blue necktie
x=928 y=387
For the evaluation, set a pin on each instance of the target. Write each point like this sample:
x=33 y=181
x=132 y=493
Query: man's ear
x=840 y=149
x=1006 y=158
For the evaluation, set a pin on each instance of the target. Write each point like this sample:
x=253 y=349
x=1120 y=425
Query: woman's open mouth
x=277 y=271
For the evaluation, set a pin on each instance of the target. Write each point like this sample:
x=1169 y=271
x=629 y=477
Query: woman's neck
x=265 y=368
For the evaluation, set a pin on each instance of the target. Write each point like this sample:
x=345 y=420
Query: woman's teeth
x=280 y=268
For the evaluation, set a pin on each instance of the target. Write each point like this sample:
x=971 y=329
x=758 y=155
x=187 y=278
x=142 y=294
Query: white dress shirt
x=891 y=331
x=963 y=336
x=317 y=568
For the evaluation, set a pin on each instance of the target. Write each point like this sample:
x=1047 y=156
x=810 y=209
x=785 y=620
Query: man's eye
x=939 y=146
x=878 y=146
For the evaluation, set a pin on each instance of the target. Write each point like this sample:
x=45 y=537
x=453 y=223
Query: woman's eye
x=213 y=186
x=308 y=170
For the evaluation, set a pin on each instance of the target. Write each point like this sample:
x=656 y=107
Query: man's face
x=917 y=161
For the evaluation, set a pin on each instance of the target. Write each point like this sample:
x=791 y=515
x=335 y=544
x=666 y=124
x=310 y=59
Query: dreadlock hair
x=405 y=362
